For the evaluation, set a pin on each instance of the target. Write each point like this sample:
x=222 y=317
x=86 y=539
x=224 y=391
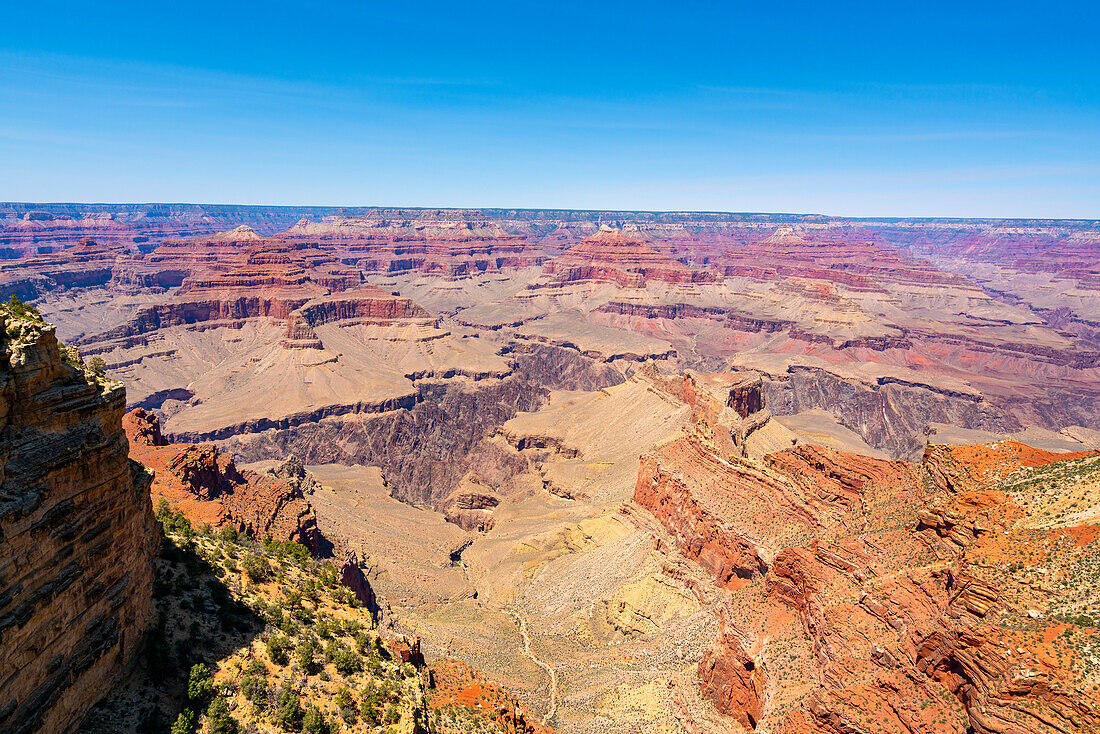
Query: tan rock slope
x=665 y=470
x=888 y=327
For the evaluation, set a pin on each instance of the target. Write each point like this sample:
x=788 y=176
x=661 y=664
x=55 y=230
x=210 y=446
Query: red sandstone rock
x=965 y=468
x=455 y=684
x=857 y=265
x=452 y=244
x=207 y=487
x=898 y=641
x=77 y=536
x=730 y=678
x=702 y=535
x=351 y=575
x=143 y=428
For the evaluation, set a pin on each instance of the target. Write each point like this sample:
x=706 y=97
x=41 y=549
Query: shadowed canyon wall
x=425 y=449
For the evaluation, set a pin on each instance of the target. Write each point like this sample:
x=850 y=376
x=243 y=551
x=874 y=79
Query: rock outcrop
x=207 y=487
x=426 y=448
x=729 y=678
x=970 y=468
x=452 y=244
x=77 y=535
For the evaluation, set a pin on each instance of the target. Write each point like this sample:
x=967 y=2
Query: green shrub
x=370 y=709
x=218 y=718
x=184 y=723
x=20 y=310
x=276 y=649
x=200 y=683
x=304 y=656
x=287 y=549
x=328 y=575
x=288 y=711
x=97 y=366
x=255 y=689
x=173 y=521
x=346 y=661
x=314 y=722
x=70 y=354
x=256 y=567
x=392 y=715
x=346 y=703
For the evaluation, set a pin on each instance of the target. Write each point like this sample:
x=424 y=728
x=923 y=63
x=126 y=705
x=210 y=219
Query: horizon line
x=375 y=207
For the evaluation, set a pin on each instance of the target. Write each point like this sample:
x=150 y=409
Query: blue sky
x=861 y=109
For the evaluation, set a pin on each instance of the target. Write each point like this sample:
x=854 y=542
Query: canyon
x=655 y=471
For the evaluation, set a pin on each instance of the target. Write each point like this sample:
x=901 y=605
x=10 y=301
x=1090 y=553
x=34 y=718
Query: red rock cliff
x=866 y=595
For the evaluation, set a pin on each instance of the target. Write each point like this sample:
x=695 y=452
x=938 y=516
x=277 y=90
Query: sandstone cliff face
x=729 y=677
x=612 y=256
x=207 y=487
x=77 y=536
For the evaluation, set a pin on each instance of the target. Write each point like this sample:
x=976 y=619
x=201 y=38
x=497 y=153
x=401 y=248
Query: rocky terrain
x=649 y=471
x=207 y=487
x=609 y=255
x=872 y=595
x=77 y=535
x=886 y=326
x=260 y=637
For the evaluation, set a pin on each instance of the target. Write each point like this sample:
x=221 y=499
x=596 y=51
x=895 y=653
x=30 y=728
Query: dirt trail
x=550 y=671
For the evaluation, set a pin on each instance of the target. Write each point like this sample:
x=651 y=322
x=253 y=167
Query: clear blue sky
x=885 y=108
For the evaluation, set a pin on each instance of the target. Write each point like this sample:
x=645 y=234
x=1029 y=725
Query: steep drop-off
x=77 y=535
x=424 y=450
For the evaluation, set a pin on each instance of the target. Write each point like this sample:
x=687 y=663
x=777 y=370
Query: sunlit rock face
x=887 y=595
x=77 y=536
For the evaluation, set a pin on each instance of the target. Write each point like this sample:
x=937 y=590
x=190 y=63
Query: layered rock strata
x=205 y=484
x=612 y=256
x=77 y=536
x=871 y=595
x=207 y=487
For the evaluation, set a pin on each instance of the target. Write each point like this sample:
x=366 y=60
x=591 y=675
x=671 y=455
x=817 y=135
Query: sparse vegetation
x=25 y=320
x=269 y=645
x=15 y=308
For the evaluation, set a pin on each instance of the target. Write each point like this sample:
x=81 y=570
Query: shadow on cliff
x=198 y=619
